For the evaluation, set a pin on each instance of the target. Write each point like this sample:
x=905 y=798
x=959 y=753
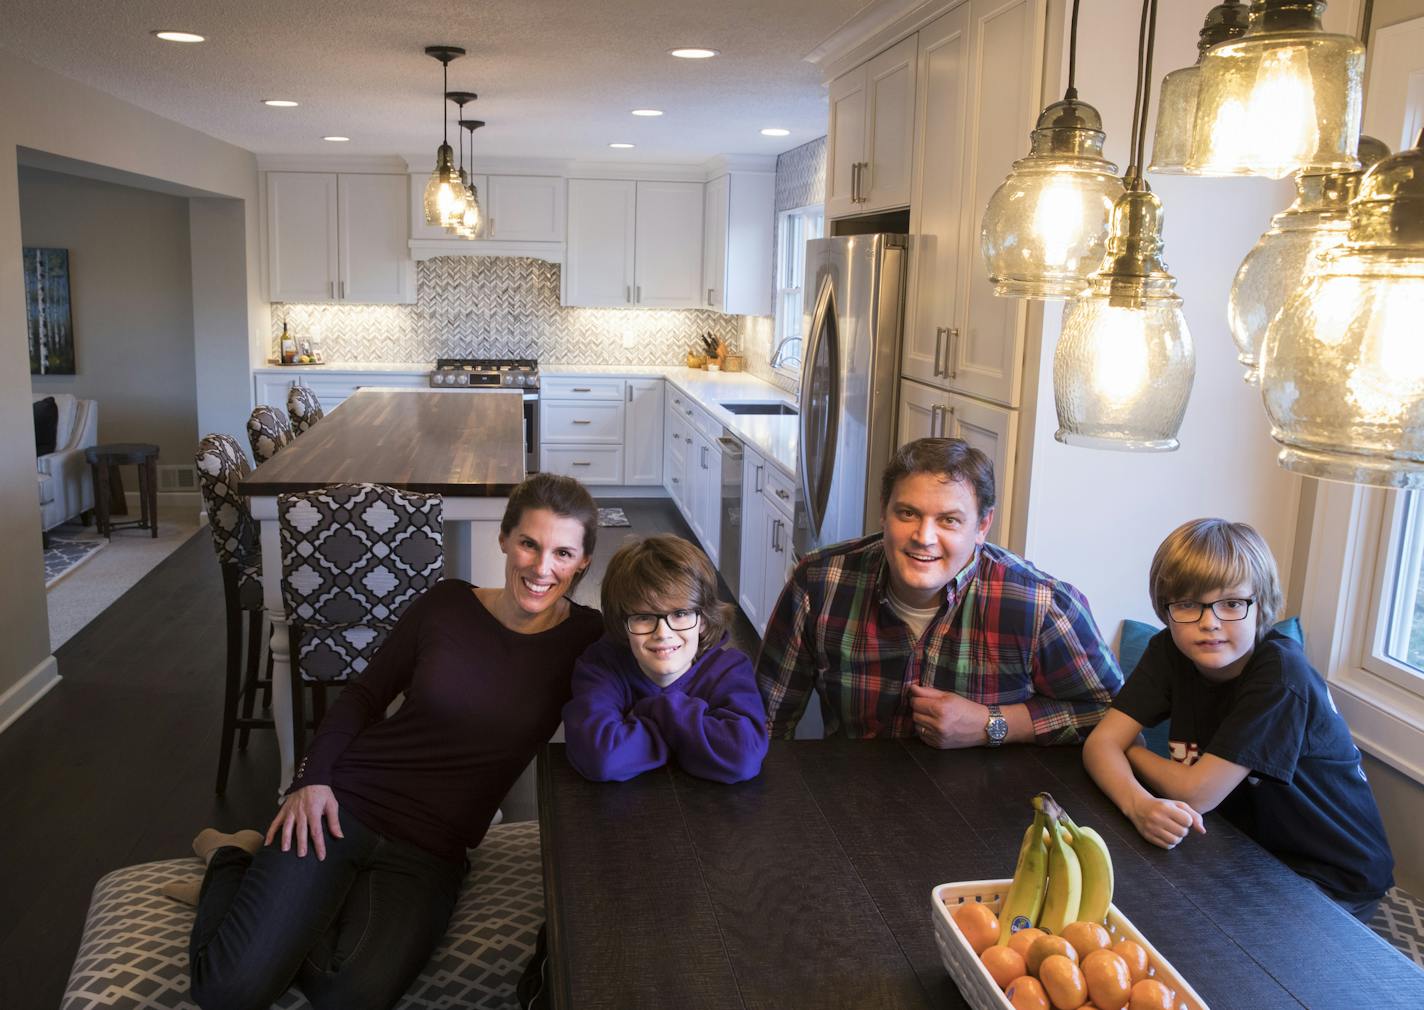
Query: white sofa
x=65 y=486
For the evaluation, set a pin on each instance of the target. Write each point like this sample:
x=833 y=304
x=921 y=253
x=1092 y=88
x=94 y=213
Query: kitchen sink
x=784 y=409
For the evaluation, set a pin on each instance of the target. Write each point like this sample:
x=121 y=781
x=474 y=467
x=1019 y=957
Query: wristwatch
x=997 y=728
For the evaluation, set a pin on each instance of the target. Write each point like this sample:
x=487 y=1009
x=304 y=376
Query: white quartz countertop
x=388 y=367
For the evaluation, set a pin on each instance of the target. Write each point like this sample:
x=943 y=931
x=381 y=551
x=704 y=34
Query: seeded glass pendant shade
x=1342 y=367
x=1275 y=268
x=440 y=188
x=1124 y=364
x=1284 y=97
x=1046 y=226
x=1177 y=103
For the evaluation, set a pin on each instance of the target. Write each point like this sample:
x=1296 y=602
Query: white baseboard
x=187 y=499
x=31 y=688
x=601 y=492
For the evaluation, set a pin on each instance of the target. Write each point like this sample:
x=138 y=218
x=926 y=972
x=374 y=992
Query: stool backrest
x=354 y=556
x=221 y=465
x=268 y=431
x=304 y=407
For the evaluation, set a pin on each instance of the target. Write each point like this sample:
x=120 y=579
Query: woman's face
x=542 y=555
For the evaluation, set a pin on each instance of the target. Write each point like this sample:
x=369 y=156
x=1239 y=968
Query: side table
x=102 y=458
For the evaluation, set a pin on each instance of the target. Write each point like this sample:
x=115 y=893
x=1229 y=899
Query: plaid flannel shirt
x=1005 y=633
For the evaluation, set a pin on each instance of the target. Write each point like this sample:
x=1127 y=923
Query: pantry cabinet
x=738 y=221
x=870 y=143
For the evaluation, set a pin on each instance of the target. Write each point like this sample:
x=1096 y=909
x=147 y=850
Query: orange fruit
x=1004 y=963
x=979 y=925
x=1149 y=994
x=1025 y=993
x=1023 y=939
x=1063 y=981
x=1046 y=946
x=1108 y=978
x=1136 y=957
x=1086 y=937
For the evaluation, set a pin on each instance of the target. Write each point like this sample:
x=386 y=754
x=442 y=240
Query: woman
x=362 y=865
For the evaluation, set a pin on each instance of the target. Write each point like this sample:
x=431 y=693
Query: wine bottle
x=289 y=347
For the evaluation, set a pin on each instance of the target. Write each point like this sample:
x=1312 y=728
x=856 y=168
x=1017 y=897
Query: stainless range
x=486 y=374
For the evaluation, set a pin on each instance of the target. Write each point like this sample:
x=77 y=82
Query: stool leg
x=234 y=672
x=101 y=499
x=299 y=719
x=249 y=684
x=152 y=467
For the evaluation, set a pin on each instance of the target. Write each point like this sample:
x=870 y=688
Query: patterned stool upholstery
x=268 y=432
x=134 y=952
x=304 y=408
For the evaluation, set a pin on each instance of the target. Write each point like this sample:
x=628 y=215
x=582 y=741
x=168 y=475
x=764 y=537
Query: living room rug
x=612 y=517
x=63 y=556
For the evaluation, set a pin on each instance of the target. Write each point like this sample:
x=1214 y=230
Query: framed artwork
x=51 y=331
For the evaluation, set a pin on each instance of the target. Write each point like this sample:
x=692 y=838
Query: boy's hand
x=1165 y=822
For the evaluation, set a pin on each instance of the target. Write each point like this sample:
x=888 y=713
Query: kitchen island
x=466 y=447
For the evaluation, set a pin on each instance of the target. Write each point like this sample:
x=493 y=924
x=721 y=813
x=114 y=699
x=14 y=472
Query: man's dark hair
x=950 y=458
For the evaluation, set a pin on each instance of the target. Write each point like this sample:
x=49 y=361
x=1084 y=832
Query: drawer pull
x=582 y=462
x=781 y=493
x=583 y=389
x=579 y=421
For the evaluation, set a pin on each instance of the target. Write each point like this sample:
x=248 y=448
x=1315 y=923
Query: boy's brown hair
x=658 y=574
x=1209 y=554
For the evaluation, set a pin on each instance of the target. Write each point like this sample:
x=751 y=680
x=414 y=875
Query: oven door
x=531 y=433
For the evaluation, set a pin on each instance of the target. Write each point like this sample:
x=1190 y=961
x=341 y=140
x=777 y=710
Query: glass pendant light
x=1177 y=99
x=1285 y=97
x=1342 y=368
x=1046 y=226
x=440 y=189
x=1124 y=363
x=1318 y=221
x=455 y=208
x=473 y=221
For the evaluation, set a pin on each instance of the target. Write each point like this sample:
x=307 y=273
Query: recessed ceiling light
x=170 y=36
x=647 y=112
x=775 y=131
x=621 y=146
x=337 y=140
x=691 y=53
x=280 y=103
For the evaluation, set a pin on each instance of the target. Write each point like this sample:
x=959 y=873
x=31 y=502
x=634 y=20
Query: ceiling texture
x=556 y=78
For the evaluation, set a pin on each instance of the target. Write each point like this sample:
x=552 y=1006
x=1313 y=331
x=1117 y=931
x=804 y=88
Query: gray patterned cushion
x=354 y=556
x=221 y=465
x=304 y=407
x=134 y=952
x=267 y=431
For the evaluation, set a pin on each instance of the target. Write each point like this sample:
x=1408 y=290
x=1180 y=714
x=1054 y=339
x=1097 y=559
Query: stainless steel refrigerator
x=849 y=365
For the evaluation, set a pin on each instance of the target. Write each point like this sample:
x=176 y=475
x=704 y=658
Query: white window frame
x=1356 y=536
x=787 y=223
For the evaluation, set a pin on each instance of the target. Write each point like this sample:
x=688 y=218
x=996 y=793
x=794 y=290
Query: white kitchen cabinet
x=677 y=448
x=524 y=208
x=766 y=540
x=594 y=465
x=434 y=232
x=602 y=218
x=643 y=433
x=737 y=226
x=704 y=481
x=581 y=428
x=871 y=136
x=777 y=562
x=668 y=242
x=338 y=238
x=270 y=386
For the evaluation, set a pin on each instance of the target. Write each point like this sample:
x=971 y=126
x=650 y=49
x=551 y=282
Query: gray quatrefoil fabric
x=268 y=431
x=304 y=407
x=221 y=466
x=354 y=556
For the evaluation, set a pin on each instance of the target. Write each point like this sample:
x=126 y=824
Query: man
x=926 y=630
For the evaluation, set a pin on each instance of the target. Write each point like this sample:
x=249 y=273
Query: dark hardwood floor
x=115 y=765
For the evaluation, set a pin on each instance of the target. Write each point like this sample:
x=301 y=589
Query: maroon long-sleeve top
x=480 y=700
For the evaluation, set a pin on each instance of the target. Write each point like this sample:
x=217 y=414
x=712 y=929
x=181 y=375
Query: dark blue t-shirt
x=1306 y=799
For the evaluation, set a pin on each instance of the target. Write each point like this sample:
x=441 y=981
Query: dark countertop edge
x=263 y=489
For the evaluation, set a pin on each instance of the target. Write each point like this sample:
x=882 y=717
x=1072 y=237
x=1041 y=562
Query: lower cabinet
x=591 y=464
x=331 y=388
x=704 y=483
x=604 y=431
x=766 y=540
x=643 y=433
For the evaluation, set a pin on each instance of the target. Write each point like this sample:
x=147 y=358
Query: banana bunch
x=1064 y=874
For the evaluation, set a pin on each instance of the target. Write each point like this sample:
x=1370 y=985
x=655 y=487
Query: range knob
x=463 y=379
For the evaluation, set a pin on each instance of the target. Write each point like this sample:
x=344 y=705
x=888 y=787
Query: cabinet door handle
x=628 y=294
x=630 y=394
x=710 y=300
x=583 y=389
x=331 y=290
x=781 y=493
x=676 y=481
x=341 y=285
x=855 y=182
x=689 y=411
x=638 y=290
x=579 y=420
x=950 y=368
x=934 y=420
x=939 y=347
x=757 y=480
x=702 y=458
x=489 y=227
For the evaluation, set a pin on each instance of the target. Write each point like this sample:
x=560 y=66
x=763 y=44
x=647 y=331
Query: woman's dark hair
x=950 y=458
x=662 y=573
x=563 y=496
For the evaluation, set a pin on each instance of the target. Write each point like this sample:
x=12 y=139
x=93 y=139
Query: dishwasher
x=729 y=547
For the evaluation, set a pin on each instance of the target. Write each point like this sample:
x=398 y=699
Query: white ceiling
x=556 y=78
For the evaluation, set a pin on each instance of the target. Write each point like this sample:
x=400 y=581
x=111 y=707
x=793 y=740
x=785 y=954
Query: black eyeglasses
x=1189 y=611
x=677 y=620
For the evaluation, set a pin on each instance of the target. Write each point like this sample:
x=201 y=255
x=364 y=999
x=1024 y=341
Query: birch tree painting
x=47 y=303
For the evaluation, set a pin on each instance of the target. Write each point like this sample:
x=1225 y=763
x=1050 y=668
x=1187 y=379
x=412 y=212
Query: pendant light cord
x=444 y=110
x=1072 y=93
x=1365 y=20
x=1142 y=98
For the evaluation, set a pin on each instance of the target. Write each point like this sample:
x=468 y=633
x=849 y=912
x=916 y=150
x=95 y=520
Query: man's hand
x=946 y=720
x=1165 y=822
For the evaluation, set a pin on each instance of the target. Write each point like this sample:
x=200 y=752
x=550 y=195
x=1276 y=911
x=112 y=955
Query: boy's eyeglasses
x=1188 y=611
x=677 y=620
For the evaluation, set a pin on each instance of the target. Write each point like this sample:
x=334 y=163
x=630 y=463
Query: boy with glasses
x=664 y=684
x=1252 y=727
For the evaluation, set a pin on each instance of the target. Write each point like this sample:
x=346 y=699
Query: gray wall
x=132 y=297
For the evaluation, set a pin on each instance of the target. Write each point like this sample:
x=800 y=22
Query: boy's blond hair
x=1204 y=555
x=658 y=573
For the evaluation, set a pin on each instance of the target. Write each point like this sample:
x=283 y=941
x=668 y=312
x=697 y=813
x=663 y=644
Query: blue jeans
x=352 y=931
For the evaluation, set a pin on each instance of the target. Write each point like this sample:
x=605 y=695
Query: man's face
x=932 y=526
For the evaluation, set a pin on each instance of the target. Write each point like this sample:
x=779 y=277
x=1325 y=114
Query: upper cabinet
x=634 y=243
x=524 y=208
x=738 y=220
x=871 y=134
x=338 y=238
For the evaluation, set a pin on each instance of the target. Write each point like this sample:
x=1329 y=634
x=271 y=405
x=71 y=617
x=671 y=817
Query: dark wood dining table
x=809 y=886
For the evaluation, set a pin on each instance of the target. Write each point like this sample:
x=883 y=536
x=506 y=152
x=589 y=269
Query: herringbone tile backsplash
x=500 y=307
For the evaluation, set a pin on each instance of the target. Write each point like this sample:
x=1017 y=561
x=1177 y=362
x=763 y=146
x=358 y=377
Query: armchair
x=65 y=486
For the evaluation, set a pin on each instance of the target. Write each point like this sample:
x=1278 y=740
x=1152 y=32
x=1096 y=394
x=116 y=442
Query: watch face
x=998 y=728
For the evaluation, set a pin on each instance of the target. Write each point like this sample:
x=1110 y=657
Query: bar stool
x=103 y=459
x=304 y=408
x=268 y=432
x=354 y=556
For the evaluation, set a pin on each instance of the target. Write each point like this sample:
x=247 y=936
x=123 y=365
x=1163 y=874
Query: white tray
x=974 y=981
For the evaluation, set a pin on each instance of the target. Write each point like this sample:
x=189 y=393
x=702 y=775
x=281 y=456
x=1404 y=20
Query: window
x=794 y=228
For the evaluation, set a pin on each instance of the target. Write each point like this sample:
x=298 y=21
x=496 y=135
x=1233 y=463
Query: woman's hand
x=1165 y=822
x=302 y=813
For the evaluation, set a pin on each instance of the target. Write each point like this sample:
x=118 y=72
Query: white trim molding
x=29 y=689
x=425 y=248
x=876 y=28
